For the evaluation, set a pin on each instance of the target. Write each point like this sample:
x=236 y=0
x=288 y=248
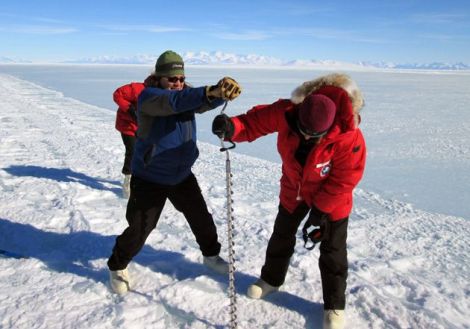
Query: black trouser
x=129 y=143
x=144 y=208
x=333 y=260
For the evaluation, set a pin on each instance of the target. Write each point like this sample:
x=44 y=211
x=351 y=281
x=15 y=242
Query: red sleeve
x=348 y=165
x=260 y=121
x=128 y=94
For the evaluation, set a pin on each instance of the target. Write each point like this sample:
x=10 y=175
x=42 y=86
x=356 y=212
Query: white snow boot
x=333 y=319
x=216 y=263
x=260 y=289
x=126 y=187
x=119 y=281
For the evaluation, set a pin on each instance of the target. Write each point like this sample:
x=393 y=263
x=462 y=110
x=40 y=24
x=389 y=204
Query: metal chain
x=230 y=228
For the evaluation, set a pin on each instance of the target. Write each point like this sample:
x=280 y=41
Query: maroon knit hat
x=316 y=114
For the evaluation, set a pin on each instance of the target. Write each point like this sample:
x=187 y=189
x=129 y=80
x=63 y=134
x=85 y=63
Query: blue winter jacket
x=166 y=148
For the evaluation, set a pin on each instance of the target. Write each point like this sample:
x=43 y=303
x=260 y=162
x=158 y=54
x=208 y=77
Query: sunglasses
x=175 y=79
x=308 y=132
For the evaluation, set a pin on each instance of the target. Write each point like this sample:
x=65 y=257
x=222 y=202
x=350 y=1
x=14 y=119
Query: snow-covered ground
x=60 y=210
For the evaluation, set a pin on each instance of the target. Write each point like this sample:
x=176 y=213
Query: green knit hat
x=169 y=64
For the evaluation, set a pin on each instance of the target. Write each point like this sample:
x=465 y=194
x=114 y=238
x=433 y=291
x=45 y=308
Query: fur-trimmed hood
x=338 y=80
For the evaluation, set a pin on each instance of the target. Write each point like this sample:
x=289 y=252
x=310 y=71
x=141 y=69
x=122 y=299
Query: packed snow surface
x=61 y=209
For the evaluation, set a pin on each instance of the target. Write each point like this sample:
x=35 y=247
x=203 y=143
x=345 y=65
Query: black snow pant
x=144 y=208
x=333 y=260
x=129 y=143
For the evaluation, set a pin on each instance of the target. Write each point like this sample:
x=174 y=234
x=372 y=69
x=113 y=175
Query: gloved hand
x=227 y=89
x=132 y=112
x=316 y=228
x=222 y=126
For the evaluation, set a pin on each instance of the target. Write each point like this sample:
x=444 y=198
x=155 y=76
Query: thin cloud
x=296 y=9
x=446 y=37
x=246 y=36
x=439 y=18
x=48 y=20
x=319 y=33
x=322 y=33
x=38 y=29
x=40 y=19
x=144 y=28
x=306 y=10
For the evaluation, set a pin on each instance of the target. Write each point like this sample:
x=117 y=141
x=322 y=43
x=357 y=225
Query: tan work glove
x=227 y=89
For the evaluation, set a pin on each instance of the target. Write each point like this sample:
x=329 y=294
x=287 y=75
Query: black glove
x=222 y=126
x=132 y=113
x=227 y=89
x=316 y=228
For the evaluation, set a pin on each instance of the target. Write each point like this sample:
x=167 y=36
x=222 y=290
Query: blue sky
x=370 y=30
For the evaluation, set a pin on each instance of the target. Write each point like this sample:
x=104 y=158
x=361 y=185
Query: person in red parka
x=126 y=123
x=323 y=155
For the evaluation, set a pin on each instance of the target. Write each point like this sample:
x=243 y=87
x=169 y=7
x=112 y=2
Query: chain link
x=230 y=228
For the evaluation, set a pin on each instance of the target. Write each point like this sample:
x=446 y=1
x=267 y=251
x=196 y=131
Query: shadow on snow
x=64 y=175
x=73 y=252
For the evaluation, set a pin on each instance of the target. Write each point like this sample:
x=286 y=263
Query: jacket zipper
x=298 y=198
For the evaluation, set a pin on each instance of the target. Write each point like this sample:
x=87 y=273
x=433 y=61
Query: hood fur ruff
x=335 y=79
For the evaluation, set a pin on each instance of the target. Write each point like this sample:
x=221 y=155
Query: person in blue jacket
x=164 y=154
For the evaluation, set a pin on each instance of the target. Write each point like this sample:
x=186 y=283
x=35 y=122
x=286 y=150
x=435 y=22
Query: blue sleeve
x=162 y=102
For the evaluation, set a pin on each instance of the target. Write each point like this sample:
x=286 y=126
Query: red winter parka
x=333 y=167
x=125 y=97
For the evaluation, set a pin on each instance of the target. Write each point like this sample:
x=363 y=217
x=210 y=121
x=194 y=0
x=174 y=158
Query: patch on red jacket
x=325 y=170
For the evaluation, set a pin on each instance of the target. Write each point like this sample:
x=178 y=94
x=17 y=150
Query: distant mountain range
x=221 y=58
x=6 y=60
